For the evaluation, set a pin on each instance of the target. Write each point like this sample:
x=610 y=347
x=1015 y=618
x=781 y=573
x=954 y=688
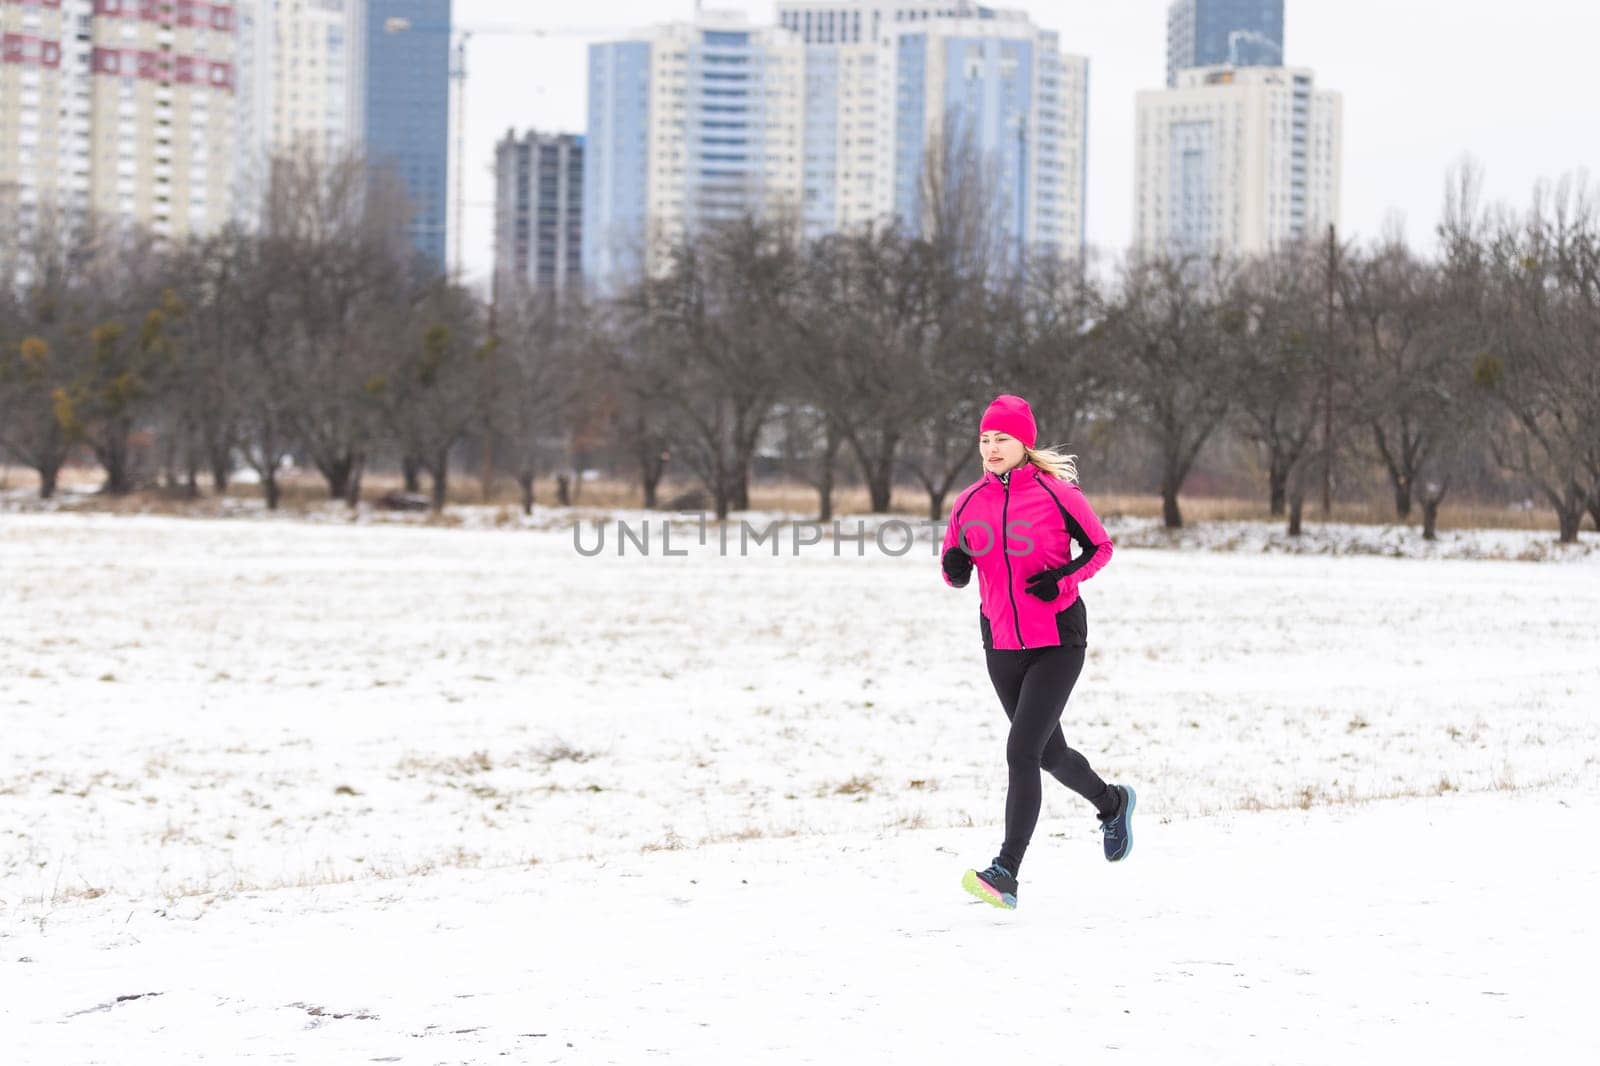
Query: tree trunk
x=878 y=470
x=832 y=441
x=525 y=483
x=879 y=489
x=652 y=466
x=1171 y=517
x=220 y=472
x=269 y=485
x=1297 y=507
x=169 y=462
x=48 y=473
x=113 y=455
x=1594 y=510
x=352 y=495
x=1432 y=496
x=1568 y=520
x=411 y=470
x=1402 y=498
x=116 y=483
x=935 y=505
x=440 y=472
x=337 y=473
x=563 y=490
x=825 y=494
x=1277 y=486
x=1570 y=508
x=1430 y=519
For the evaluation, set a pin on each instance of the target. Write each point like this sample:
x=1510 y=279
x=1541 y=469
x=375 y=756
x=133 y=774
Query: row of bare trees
x=870 y=354
x=1330 y=364
x=321 y=336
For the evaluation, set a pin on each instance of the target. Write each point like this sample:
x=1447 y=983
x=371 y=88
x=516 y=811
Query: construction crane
x=458 y=75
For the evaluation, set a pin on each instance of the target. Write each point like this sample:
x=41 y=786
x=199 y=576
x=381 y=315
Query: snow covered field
x=339 y=793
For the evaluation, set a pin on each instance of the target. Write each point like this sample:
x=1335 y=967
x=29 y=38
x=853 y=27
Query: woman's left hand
x=1046 y=584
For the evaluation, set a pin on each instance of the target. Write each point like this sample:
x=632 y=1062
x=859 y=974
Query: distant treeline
x=320 y=335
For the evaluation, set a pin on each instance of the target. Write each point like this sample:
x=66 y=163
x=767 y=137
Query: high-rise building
x=889 y=82
x=254 y=101
x=407 y=109
x=122 y=107
x=1236 y=160
x=869 y=21
x=1239 y=33
x=694 y=121
x=316 y=76
x=299 y=87
x=538 y=213
x=689 y=123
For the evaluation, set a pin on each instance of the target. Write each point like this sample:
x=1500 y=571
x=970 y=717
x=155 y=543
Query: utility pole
x=493 y=344
x=458 y=74
x=1327 y=383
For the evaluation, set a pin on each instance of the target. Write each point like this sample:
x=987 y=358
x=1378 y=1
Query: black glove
x=957 y=567
x=1046 y=583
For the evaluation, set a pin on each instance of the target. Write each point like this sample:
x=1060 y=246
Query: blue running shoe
x=996 y=886
x=1118 y=829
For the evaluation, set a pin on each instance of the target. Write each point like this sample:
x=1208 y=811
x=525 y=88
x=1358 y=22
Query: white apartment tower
x=885 y=79
x=689 y=123
x=1236 y=160
x=300 y=86
x=122 y=107
x=315 y=69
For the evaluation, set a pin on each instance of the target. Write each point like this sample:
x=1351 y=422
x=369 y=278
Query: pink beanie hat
x=1011 y=415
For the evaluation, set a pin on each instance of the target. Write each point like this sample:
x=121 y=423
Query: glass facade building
x=689 y=124
x=407 y=110
x=1239 y=33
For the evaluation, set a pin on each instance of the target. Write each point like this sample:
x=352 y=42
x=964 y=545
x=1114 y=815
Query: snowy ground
x=335 y=793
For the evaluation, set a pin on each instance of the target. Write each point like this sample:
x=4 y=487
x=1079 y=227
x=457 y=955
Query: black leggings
x=1033 y=686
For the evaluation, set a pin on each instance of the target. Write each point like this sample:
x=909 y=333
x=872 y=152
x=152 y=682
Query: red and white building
x=127 y=108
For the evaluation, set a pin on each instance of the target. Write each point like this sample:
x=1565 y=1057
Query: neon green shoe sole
x=986 y=892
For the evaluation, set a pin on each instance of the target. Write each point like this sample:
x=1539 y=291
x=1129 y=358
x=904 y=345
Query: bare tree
x=344 y=231
x=716 y=314
x=119 y=348
x=1535 y=279
x=216 y=275
x=1029 y=331
x=1172 y=323
x=1278 y=361
x=36 y=315
x=638 y=374
x=536 y=364
x=433 y=390
x=1392 y=304
x=867 y=344
x=256 y=297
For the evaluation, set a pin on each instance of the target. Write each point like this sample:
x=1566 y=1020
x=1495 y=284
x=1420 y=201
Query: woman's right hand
x=957 y=566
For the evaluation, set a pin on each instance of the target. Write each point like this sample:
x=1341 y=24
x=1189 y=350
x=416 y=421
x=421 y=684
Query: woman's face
x=999 y=451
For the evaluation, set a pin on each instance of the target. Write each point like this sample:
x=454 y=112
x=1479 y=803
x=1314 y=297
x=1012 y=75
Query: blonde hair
x=1051 y=461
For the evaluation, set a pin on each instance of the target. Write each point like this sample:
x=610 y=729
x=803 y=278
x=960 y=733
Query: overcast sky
x=1424 y=81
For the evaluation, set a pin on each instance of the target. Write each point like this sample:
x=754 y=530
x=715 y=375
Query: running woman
x=1015 y=526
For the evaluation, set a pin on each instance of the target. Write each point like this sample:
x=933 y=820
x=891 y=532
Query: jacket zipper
x=1005 y=542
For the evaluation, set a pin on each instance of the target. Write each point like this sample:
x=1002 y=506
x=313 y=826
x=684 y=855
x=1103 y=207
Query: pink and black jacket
x=1015 y=527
